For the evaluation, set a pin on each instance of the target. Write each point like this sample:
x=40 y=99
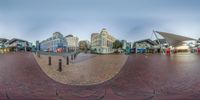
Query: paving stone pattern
x=152 y=77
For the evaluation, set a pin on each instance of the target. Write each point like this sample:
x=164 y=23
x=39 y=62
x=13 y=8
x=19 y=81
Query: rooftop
x=15 y=39
x=146 y=40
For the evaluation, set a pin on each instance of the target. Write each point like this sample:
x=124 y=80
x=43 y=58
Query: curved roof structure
x=15 y=39
x=173 y=39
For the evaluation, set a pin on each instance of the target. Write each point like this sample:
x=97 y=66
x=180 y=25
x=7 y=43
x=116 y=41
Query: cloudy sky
x=125 y=19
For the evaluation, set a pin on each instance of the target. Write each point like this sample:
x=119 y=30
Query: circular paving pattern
x=86 y=69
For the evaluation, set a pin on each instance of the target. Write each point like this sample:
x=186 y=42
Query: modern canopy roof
x=173 y=39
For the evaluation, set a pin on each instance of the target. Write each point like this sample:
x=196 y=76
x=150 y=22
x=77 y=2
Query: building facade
x=72 y=42
x=144 y=46
x=126 y=44
x=14 y=45
x=3 y=48
x=56 y=43
x=37 y=46
x=19 y=45
x=3 y=42
x=102 y=42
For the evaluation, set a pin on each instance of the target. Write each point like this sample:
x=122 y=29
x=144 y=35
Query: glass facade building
x=57 y=41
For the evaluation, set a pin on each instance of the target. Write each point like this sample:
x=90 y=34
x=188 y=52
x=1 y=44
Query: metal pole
x=67 y=62
x=49 y=60
x=158 y=41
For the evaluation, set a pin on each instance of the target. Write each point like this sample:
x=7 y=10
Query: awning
x=173 y=39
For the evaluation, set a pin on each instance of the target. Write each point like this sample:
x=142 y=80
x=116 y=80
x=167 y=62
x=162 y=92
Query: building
x=56 y=43
x=14 y=45
x=37 y=46
x=197 y=43
x=126 y=44
x=3 y=45
x=144 y=46
x=161 y=45
x=2 y=42
x=84 y=45
x=102 y=42
x=163 y=42
x=18 y=45
x=72 y=42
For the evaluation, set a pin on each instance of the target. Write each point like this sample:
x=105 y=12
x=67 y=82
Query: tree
x=117 y=44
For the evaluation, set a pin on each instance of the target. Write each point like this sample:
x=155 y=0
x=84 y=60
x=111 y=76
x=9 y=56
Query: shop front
x=4 y=50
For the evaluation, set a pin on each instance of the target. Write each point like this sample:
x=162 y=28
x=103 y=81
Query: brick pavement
x=155 y=77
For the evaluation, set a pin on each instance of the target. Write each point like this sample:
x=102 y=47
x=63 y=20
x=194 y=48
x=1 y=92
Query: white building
x=72 y=42
x=126 y=44
x=102 y=42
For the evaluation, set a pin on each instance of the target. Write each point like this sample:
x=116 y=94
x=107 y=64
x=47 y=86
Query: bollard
x=49 y=60
x=60 y=65
x=38 y=54
x=67 y=60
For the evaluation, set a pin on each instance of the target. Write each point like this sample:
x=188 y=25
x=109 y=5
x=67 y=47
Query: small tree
x=117 y=44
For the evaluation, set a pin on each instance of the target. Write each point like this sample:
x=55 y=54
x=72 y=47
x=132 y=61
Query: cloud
x=128 y=19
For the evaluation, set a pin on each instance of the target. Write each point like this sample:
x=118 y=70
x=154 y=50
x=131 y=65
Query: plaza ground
x=86 y=69
x=143 y=77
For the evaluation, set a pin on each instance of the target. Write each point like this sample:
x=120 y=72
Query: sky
x=130 y=20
